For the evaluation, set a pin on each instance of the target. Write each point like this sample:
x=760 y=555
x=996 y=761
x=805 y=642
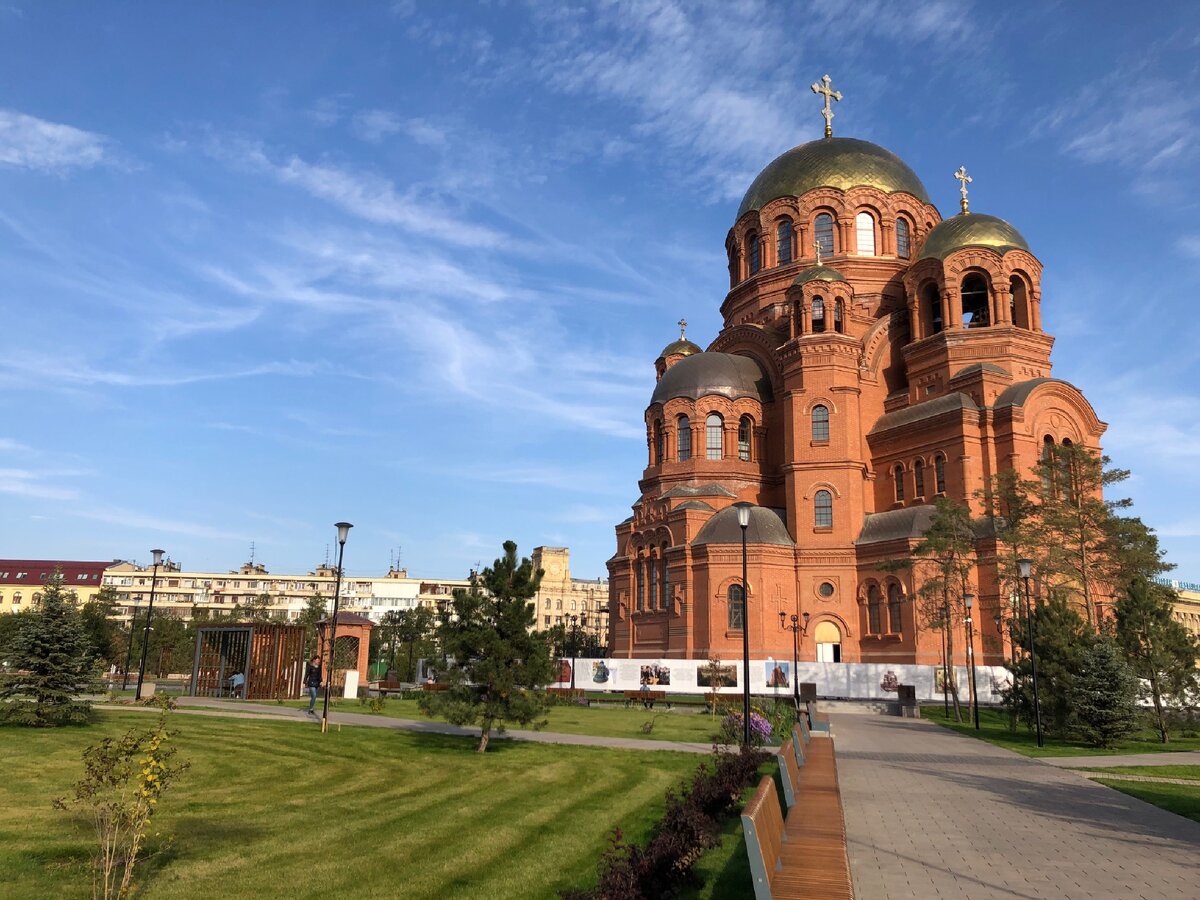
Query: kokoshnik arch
x=873 y=357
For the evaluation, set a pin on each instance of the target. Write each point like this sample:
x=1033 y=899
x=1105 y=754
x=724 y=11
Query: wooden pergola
x=268 y=656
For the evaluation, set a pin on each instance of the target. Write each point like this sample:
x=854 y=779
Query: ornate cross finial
x=682 y=323
x=964 y=180
x=823 y=87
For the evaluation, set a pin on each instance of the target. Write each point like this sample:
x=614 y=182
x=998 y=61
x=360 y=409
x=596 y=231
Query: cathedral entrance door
x=828 y=639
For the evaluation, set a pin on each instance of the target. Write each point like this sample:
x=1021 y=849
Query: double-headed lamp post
x=1025 y=570
x=743 y=515
x=969 y=600
x=343 y=531
x=796 y=628
x=158 y=557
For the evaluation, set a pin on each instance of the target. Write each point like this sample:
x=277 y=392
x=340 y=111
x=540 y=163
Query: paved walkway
x=930 y=813
x=203 y=706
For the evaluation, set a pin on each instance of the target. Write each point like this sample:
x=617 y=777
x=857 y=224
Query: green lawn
x=274 y=809
x=1191 y=773
x=1181 y=799
x=994 y=728
x=603 y=721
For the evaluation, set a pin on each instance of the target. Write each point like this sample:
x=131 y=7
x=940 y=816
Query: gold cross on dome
x=964 y=179
x=682 y=323
x=824 y=87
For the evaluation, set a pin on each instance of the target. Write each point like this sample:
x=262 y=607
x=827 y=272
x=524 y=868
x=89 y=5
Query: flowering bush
x=760 y=728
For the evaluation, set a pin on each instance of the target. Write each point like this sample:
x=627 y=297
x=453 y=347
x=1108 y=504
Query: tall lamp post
x=574 y=649
x=1025 y=569
x=969 y=600
x=743 y=515
x=129 y=649
x=797 y=629
x=158 y=556
x=343 y=531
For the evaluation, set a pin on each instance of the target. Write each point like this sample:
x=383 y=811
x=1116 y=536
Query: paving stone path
x=933 y=814
x=1121 y=776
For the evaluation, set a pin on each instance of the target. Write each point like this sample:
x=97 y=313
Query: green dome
x=971 y=230
x=840 y=163
x=818 y=273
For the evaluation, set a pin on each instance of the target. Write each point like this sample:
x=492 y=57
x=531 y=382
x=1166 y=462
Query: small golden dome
x=840 y=163
x=818 y=273
x=681 y=347
x=971 y=230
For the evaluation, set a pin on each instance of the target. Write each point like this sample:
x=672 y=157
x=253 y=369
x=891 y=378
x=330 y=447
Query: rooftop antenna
x=252 y=553
x=327 y=556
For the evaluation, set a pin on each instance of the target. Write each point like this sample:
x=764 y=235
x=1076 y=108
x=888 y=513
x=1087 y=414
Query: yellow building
x=1187 y=604
x=560 y=596
x=23 y=580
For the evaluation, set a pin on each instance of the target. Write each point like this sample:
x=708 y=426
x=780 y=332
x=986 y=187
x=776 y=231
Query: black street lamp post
x=743 y=514
x=1025 y=569
x=797 y=629
x=574 y=649
x=158 y=555
x=969 y=600
x=343 y=531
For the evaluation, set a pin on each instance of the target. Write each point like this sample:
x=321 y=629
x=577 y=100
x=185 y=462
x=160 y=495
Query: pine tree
x=51 y=661
x=1103 y=695
x=1159 y=649
x=1062 y=640
x=496 y=664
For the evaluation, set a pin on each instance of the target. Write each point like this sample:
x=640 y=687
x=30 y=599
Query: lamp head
x=158 y=557
x=806 y=621
x=743 y=512
x=343 y=531
x=782 y=618
x=1025 y=567
x=969 y=600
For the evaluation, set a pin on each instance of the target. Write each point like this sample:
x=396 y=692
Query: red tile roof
x=76 y=573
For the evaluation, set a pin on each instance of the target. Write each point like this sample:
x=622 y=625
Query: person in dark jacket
x=312 y=682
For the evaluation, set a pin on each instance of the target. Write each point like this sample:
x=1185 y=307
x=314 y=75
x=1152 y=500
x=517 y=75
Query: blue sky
x=268 y=266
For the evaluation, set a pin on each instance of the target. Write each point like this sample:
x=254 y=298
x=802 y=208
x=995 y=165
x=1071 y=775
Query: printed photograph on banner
x=655 y=674
x=777 y=674
x=601 y=672
x=710 y=676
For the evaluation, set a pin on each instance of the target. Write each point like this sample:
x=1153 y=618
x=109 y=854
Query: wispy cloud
x=31 y=143
x=149 y=522
x=42 y=369
x=373 y=125
x=31 y=483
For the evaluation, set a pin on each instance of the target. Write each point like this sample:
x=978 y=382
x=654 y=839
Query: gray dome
x=766 y=526
x=725 y=374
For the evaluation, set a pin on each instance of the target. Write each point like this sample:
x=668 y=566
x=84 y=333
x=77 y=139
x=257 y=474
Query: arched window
x=818 y=315
x=895 y=625
x=919 y=477
x=903 y=248
x=641 y=585
x=1047 y=465
x=974 y=301
x=939 y=472
x=714 y=433
x=874 y=610
x=658 y=442
x=666 y=581
x=737 y=608
x=754 y=247
x=735 y=267
x=683 y=438
x=823 y=510
x=898 y=478
x=864 y=233
x=1019 y=302
x=820 y=423
x=838 y=310
x=744 y=429
x=1067 y=471
x=573 y=606
x=783 y=240
x=933 y=305
x=652 y=566
x=823 y=234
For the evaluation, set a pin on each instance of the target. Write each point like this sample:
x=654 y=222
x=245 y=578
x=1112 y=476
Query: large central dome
x=832 y=162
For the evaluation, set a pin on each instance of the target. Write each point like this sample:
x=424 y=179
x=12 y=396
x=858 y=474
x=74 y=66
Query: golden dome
x=818 y=273
x=681 y=347
x=971 y=230
x=840 y=163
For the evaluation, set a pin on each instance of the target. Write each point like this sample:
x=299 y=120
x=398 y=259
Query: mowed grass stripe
x=276 y=809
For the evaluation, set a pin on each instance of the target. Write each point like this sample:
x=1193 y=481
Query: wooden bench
x=817 y=721
x=434 y=686
x=646 y=698
x=384 y=688
x=805 y=855
x=576 y=694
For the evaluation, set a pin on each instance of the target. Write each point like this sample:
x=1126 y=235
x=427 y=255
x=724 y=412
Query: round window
x=826 y=589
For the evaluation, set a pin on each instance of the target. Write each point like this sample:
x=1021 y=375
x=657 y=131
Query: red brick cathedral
x=873 y=357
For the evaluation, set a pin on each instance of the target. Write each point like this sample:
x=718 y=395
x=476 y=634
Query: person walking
x=312 y=682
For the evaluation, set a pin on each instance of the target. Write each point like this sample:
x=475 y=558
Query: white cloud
x=51 y=369
x=131 y=519
x=29 y=483
x=31 y=143
x=1189 y=245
